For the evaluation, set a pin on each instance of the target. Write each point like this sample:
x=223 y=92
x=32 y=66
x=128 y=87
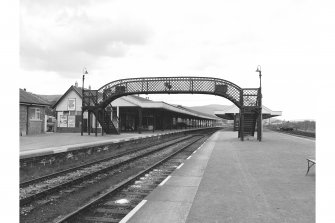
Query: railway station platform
x=35 y=145
x=227 y=180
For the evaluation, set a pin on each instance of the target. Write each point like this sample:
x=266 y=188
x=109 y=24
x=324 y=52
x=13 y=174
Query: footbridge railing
x=171 y=85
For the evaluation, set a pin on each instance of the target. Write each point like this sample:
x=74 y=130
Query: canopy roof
x=136 y=101
x=230 y=112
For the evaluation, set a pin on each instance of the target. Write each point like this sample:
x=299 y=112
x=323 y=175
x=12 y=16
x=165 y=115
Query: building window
x=36 y=114
x=71 y=104
x=73 y=113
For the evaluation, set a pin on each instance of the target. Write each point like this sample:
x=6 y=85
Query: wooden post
x=140 y=120
x=154 y=120
x=96 y=122
x=163 y=121
x=242 y=124
x=235 y=122
x=241 y=130
x=27 y=126
x=89 y=122
x=82 y=120
x=103 y=119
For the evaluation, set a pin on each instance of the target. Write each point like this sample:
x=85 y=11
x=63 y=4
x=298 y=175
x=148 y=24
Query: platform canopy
x=136 y=101
x=232 y=110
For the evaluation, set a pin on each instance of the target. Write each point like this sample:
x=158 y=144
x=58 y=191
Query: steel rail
x=125 y=183
x=53 y=175
x=81 y=179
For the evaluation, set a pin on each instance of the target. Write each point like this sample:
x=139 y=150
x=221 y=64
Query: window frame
x=36 y=114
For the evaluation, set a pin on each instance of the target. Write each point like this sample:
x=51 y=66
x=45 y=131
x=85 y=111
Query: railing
x=251 y=97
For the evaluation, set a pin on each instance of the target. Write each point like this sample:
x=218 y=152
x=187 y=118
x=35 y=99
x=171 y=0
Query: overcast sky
x=222 y=39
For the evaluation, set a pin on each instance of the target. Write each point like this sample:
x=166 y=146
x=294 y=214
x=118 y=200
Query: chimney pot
x=76 y=84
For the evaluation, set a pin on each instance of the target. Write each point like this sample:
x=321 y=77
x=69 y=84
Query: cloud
x=69 y=38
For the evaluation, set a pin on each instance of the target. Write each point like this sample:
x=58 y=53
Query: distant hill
x=209 y=109
x=52 y=99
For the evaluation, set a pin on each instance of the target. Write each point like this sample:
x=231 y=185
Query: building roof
x=78 y=90
x=32 y=99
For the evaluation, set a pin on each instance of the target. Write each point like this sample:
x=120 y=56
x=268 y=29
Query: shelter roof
x=233 y=109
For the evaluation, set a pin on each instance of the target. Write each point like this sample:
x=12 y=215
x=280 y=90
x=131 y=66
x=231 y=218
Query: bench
x=310 y=163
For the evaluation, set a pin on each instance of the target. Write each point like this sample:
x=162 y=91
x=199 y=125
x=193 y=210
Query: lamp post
x=82 y=101
x=260 y=75
x=260 y=123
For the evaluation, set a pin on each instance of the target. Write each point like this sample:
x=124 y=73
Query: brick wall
x=23 y=120
x=34 y=126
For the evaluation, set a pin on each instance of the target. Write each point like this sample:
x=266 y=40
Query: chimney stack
x=89 y=87
x=76 y=84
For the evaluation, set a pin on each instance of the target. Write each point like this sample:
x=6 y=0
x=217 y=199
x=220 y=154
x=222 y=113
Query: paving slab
x=254 y=181
x=234 y=181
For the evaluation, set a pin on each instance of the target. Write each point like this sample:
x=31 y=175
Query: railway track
x=114 y=156
x=47 y=185
x=115 y=204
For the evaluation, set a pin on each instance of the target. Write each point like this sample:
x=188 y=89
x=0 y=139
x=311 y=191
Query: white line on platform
x=195 y=151
x=189 y=157
x=61 y=150
x=164 y=181
x=130 y=214
x=180 y=166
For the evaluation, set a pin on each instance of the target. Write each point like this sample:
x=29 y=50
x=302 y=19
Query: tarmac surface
x=227 y=180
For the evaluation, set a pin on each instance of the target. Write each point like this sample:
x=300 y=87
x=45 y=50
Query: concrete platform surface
x=35 y=144
x=227 y=180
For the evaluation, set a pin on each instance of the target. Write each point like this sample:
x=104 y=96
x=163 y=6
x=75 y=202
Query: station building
x=133 y=113
x=32 y=113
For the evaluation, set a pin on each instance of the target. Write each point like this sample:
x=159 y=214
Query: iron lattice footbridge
x=249 y=100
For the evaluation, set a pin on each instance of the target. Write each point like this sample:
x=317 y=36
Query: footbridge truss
x=249 y=100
